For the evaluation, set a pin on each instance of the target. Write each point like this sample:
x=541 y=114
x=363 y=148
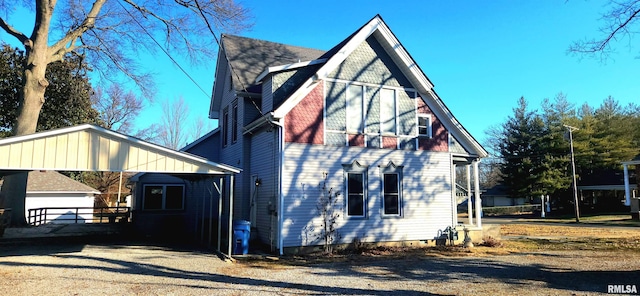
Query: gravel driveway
x=115 y=269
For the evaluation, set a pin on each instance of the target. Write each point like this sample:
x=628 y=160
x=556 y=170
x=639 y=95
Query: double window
x=163 y=197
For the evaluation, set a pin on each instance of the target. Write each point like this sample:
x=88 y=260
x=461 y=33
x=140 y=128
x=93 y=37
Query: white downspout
x=280 y=197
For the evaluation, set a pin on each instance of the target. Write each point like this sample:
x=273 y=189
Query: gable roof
x=378 y=28
x=92 y=148
x=256 y=56
x=250 y=57
x=52 y=181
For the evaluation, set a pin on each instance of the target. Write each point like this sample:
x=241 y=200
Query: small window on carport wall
x=163 y=197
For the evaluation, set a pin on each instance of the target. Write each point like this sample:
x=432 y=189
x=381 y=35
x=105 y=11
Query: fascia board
x=287 y=67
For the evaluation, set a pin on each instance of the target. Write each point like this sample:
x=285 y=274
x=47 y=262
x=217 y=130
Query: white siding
x=35 y=200
x=427 y=199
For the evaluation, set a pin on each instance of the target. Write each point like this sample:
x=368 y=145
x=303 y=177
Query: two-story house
x=362 y=117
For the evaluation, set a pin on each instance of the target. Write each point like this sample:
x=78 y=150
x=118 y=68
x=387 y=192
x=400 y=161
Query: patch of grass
x=599 y=219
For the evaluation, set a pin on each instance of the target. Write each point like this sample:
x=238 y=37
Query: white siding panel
x=427 y=201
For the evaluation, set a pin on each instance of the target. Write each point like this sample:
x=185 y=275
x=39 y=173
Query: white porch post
x=627 y=189
x=476 y=188
x=469 y=199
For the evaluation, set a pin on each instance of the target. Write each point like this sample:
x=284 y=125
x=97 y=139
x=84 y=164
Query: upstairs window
x=388 y=116
x=355 y=112
x=424 y=125
x=163 y=197
x=234 y=123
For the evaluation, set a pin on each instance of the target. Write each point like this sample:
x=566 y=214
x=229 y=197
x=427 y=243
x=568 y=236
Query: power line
x=244 y=88
x=165 y=51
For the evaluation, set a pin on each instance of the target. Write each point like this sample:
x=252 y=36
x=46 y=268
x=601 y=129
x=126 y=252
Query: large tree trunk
x=14 y=189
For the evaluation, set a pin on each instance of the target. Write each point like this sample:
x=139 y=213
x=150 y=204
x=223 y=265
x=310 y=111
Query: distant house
x=497 y=196
x=362 y=117
x=50 y=189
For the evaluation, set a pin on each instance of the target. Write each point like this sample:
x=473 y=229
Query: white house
x=50 y=189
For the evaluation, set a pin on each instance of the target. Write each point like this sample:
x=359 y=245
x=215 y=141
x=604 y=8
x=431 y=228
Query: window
x=424 y=125
x=225 y=127
x=355 y=114
x=356 y=188
x=234 y=123
x=391 y=190
x=388 y=111
x=163 y=197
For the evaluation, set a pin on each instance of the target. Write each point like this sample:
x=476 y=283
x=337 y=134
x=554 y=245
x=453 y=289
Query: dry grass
x=526 y=237
x=516 y=238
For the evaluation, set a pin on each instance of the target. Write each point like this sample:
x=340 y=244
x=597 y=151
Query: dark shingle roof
x=250 y=57
x=53 y=181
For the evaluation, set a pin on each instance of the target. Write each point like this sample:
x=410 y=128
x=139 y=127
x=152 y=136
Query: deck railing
x=68 y=215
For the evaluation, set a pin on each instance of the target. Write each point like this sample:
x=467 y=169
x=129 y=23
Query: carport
x=92 y=148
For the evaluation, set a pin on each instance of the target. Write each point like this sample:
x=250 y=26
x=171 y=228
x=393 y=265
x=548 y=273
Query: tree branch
x=67 y=43
x=13 y=31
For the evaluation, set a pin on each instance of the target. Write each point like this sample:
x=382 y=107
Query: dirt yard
x=529 y=260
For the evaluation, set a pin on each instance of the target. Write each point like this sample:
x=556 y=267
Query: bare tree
x=620 y=21
x=111 y=35
x=117 y=108
x=172 y=129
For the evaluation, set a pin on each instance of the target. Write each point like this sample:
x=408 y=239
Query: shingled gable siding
x=370 y=66
x=304 y=123
x=440 y=136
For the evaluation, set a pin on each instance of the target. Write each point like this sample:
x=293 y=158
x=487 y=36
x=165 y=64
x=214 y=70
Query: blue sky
x=481 y=55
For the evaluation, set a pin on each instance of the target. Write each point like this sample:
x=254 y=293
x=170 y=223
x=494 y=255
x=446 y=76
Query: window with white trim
x=163 y=197
x=355 y=112
x=424 y=125
x=391 y=190
x=356 y=189
x=388 y=118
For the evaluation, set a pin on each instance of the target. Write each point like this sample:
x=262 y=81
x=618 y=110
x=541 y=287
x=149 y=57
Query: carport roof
x=89 y=147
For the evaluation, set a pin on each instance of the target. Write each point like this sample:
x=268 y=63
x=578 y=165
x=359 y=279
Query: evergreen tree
x=516 y=150
x=67 y=99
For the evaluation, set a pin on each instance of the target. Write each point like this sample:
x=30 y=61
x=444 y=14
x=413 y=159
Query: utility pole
x=573 y=168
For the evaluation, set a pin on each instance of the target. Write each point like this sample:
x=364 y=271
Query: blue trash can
x=241 y=234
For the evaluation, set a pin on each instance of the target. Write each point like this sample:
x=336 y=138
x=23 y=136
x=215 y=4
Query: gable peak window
x=424 y=125
x=355 y=109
